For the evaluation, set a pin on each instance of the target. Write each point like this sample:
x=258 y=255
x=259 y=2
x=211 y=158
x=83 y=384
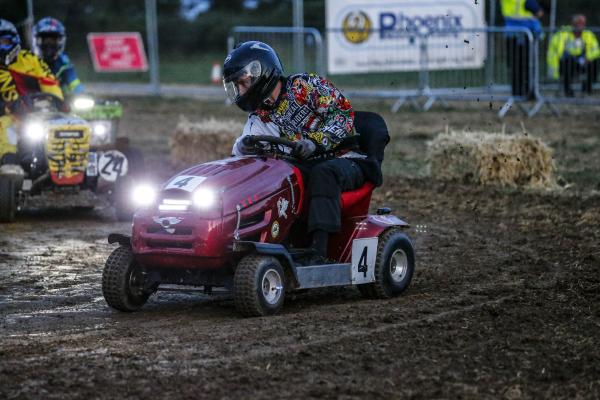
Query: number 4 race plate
x=364 y=253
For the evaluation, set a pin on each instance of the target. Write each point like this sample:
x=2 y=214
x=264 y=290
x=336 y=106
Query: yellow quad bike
x=62 y=162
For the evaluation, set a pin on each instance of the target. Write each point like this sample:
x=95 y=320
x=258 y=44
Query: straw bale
x=492 y=159
x=206 y=140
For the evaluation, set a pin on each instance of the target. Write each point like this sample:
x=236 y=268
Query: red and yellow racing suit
x=26 y=74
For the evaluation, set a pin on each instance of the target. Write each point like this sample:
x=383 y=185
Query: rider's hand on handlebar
x=246 y=145
x=304 y=148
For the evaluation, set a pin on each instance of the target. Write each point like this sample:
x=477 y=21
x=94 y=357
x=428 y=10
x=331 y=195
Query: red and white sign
x=117 y=52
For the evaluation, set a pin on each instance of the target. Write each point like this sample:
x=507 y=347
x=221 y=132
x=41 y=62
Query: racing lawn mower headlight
x=100 y=131
x=204 y=198
x=34 y=131
x=83 y=103
x=143 y=195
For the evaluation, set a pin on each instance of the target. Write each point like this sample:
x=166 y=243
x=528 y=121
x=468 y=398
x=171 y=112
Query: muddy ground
x=505 y=300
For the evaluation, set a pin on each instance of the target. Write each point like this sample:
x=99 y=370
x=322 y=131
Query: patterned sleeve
x=330 y=104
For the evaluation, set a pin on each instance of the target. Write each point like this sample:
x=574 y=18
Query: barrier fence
x=486 y=64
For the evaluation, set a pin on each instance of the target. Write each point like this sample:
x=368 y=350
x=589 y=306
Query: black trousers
x=518 y=64
x=570 y=68
x=325 y=181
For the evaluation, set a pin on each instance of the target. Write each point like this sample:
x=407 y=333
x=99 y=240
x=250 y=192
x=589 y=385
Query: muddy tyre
x=258 y=286
x=122 y=281
x=394 y=266
x=8 y=198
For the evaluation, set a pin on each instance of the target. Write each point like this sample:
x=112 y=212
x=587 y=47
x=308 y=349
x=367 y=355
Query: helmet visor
x=239 y=83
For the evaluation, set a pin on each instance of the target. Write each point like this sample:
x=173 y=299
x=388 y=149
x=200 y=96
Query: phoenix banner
x=399 y=35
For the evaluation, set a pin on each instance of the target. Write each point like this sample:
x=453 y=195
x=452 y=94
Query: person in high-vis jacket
x=50 y=37
x=521 y=14
x=21 y=73
x=572 y=51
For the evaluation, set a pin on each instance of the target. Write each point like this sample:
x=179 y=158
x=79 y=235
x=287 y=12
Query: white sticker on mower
x=185 y=182
x=112 y=164
x=364 y=253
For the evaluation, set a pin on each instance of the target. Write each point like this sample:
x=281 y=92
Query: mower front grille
x=176 y=231
x=155 y=244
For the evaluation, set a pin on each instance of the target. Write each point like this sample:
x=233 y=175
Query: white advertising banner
x=403 y=35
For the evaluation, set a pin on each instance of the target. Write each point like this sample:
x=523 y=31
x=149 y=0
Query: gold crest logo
x=356 y=27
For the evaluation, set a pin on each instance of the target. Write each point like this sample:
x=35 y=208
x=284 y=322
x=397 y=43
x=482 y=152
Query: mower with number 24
x=240 y=224
x=62 y=160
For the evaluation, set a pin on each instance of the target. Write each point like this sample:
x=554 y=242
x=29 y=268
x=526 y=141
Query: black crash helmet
x=255 y=65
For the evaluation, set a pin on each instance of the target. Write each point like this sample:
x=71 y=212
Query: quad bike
x=61 y=161
x=239 y=224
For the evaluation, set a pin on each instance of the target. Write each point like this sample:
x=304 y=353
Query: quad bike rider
x=21 y=73
x=50 y=37
x=241 y=223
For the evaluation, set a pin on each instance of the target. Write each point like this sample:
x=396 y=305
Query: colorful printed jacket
x=63 y=70
x=26 y=74
x=308 y=107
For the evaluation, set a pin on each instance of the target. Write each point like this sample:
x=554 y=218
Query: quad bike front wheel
x=394 y=266
x=8 y=198
x=258 y=286
x=123 y=281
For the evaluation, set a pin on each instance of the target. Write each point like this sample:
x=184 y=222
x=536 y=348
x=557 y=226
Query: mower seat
x=356 y=202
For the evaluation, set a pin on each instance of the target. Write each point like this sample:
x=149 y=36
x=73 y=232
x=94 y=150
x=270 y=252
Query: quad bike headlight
x=34 y=131
x=143 y=195
x=83 y=103
x=204 y=198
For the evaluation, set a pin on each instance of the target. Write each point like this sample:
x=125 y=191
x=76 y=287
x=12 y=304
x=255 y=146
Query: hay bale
x=492 y=159
x=206 y=140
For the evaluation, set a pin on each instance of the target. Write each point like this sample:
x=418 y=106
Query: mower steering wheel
x=272 y=148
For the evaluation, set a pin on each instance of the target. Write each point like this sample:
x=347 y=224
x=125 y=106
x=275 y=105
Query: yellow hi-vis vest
x=515 y=9
x=564 y=41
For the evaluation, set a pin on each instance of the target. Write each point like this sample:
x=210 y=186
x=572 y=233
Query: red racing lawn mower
x=240 y=224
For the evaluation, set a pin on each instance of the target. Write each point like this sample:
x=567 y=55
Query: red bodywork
x=269 y=194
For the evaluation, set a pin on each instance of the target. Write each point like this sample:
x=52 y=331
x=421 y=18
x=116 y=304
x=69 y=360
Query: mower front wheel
x=123 y=281
x=394 y=267
x=258 y=286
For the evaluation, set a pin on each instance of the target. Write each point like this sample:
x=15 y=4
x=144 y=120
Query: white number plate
x=112 y=164
x=185 y=182
x=364 y=253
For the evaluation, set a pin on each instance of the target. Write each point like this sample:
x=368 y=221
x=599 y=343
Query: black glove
x=246 y=145
x=304 y=148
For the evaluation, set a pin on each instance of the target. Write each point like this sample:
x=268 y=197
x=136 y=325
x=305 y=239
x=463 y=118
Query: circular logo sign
x=275 y=229
x=356 y=27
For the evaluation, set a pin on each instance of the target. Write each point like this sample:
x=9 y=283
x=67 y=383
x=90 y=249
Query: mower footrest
x=314 y=276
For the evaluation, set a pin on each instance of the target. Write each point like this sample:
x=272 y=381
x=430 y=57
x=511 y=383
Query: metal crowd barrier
x=512 y=70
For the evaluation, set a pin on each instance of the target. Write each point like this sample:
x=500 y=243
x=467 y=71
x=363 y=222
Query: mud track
x=505 y=303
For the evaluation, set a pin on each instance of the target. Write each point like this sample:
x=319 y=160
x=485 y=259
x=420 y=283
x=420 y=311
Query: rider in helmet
x=21 y=73
x=308 y=110
x=50 y=38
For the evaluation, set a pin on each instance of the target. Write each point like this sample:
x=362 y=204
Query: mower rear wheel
x=258 y=286
x=394 y=266
x=123 y=281
x=8 y=198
